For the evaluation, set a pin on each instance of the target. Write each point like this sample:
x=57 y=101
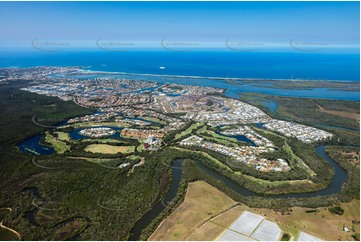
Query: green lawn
x=134 y=157
x=59 y=146
x=156 y=120
x=140 y=148
x=188 y=131
x=217 y=138
x=299 y=161
x=63 y=136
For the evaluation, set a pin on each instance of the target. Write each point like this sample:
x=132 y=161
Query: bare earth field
x=206 y=213
x=202 y=201
x=212 y=229
x=321 y=224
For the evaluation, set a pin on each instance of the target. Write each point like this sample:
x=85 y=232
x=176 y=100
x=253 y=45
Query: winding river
x=334 y=187
x=33 y=146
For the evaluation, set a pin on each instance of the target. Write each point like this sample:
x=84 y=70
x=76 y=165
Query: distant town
x=172 y=106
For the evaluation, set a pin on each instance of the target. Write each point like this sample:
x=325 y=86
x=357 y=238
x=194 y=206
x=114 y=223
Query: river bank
x=335 y=186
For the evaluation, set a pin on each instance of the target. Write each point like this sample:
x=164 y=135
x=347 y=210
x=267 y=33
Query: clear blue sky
x=334 y=22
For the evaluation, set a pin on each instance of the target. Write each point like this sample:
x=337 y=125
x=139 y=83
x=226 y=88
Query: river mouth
x=335 y=186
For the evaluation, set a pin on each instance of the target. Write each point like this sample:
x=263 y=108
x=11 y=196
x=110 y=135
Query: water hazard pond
x=34 y=147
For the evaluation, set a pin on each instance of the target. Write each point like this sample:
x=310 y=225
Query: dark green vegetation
x=270 y=182
x=343 y=148
x=169 y=209
x=285 y=237
x=195 y=173
x=349 y=159
x=336 y=116
x=308 y=111
x=7 y=235
x=108 y=201
x=4 y=233
x=356 y=236
x=336 y=210
x=261 y=185
x=21 y=106
x=72 y=192
x=85 y=200
x=301 y=84
x=17 y=108
x=292 y=150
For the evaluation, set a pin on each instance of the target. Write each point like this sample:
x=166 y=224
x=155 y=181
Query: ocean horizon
x=208 y=68
x=333 y=65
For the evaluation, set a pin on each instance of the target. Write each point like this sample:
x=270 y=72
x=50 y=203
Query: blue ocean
x=282 y=64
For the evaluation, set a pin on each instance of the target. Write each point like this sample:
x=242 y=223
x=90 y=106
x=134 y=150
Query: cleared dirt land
x=206 y=213
x=202 y=201
x=109 y=149
x=213 y=228
x=322 y=223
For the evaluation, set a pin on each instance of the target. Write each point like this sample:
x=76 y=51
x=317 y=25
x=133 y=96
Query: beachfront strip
x=304 y=133
x=248 y=155
x=258 y=139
